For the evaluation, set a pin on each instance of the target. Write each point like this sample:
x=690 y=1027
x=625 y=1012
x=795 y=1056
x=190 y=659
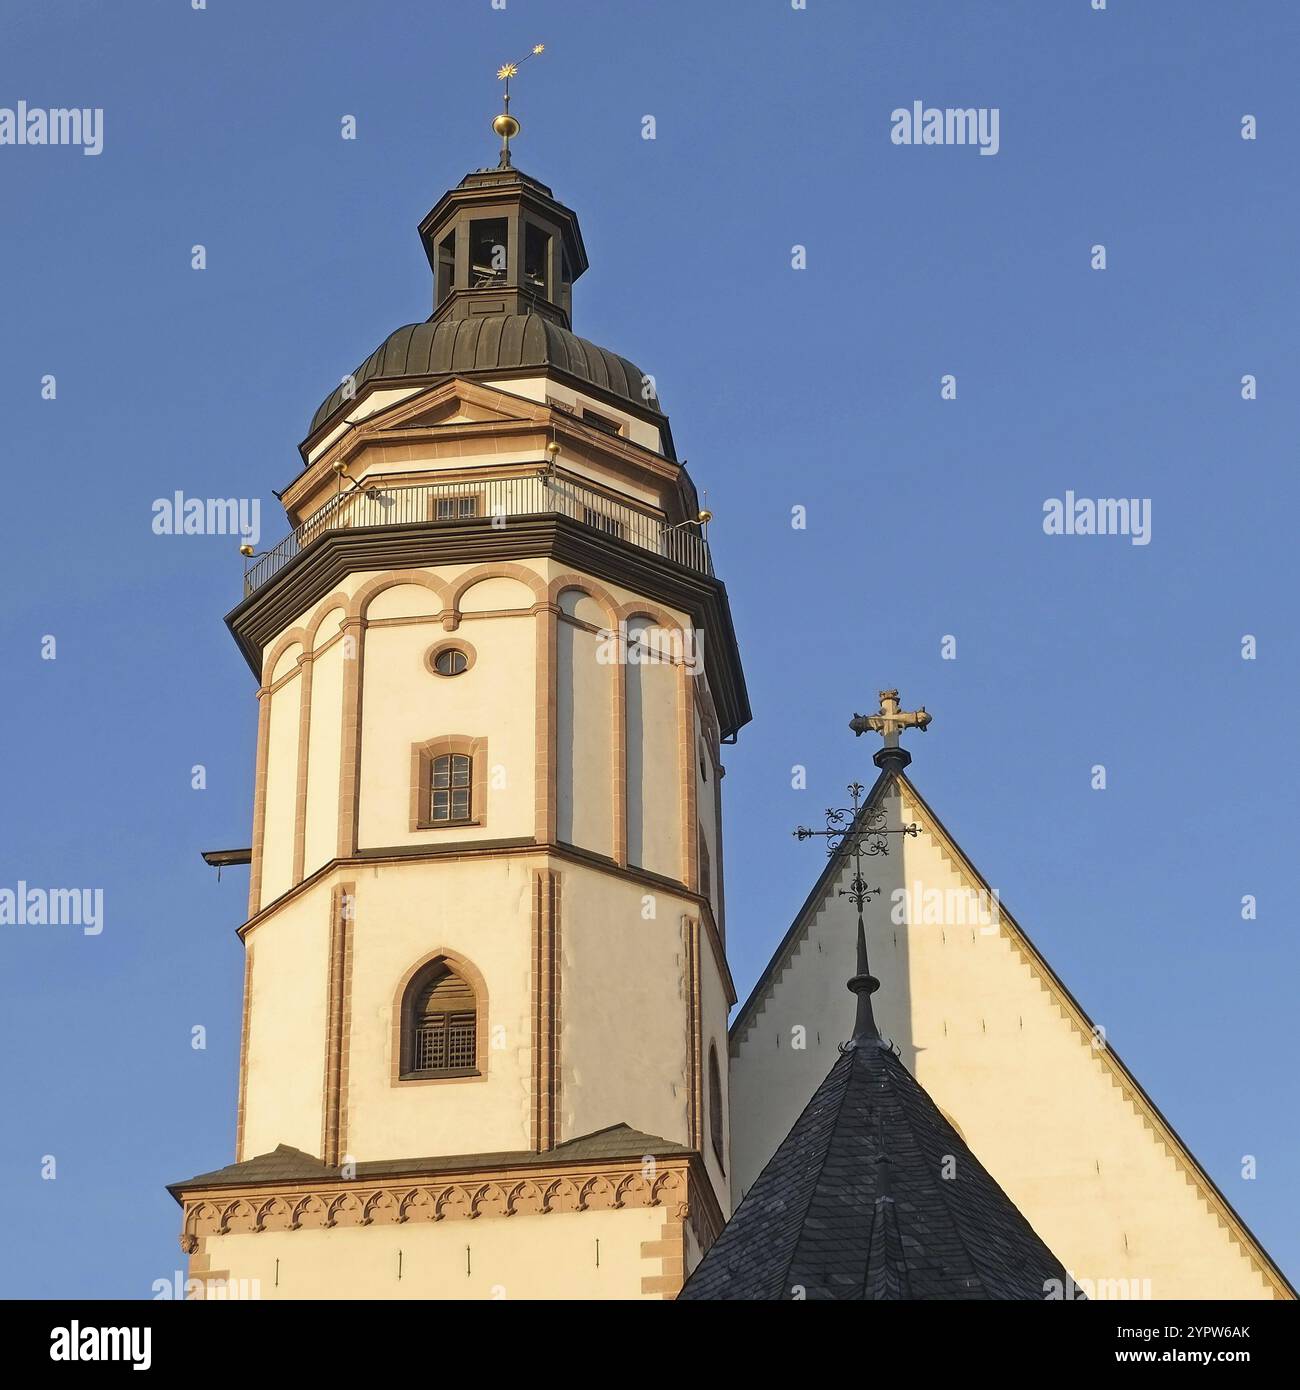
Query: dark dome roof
x=494 y=342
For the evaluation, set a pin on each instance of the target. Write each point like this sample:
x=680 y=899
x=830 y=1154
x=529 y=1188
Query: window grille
x=449 y=793
x=442 y=1023
x=455 y=508
x=445 y=1043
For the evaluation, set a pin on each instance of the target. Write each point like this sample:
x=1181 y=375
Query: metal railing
x=496 y=500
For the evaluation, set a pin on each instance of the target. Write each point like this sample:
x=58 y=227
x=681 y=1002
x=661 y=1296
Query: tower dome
x=504 y=254
x=488 y=344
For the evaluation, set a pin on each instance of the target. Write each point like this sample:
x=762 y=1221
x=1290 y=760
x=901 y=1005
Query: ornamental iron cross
x=861 y=832
x=858 y=832
x=891 y=721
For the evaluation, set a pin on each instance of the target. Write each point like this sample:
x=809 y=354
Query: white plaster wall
x=713 y=1013
x=514 y=1258
x=374 y=402
x=584 y=741
x=285 y=1060
x=320 y=838
x=281 y=788
x=706 y=810
x=654 y=839
x=623 y=1049
x=540 y=388
x=1037 y=1104
x=403 y=703
x=480 y=910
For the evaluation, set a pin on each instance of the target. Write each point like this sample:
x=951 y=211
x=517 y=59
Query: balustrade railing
x=497 y=500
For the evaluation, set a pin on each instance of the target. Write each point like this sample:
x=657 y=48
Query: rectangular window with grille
x=601 y=522
x=455 y=508
x=445 y=1042
x=449 y=792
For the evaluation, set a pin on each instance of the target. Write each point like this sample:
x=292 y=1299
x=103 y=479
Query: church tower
x=485 y=1001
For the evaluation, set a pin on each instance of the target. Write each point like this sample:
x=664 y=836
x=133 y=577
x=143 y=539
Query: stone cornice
x=523 y=1189
x=521 y=845
x=517 y=419
x=317 y=570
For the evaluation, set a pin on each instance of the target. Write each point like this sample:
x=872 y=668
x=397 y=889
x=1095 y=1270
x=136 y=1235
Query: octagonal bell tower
x=484 y=1030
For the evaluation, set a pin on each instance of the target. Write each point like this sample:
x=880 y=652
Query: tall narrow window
x=537 y=255
x=716 y=1131
x=449 y=772
x=440 y=1024
x=566 y=283
x=449 y=791
x=446 y=266
x=487 y=252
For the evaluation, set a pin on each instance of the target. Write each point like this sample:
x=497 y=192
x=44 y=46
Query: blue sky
x=816 y=388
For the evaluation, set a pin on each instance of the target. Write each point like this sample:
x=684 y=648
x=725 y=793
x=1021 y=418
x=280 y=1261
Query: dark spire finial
x=864 y=984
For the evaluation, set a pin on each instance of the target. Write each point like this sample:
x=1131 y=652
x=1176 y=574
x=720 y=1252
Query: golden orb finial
x=505 y=125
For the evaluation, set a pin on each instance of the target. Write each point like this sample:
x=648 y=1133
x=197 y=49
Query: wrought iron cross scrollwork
x=859 y=833
x=862 y=833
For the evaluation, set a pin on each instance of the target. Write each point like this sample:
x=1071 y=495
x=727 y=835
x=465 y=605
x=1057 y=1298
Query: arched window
x=716 y=1129
x=440 y=1024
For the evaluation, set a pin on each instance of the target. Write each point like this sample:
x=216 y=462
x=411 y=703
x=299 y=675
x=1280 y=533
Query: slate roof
x=854 y=1205
x=492 y=343
x=289 y=1165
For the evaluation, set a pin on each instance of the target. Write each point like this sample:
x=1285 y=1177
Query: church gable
x=459 y=402
x=1009 y=1057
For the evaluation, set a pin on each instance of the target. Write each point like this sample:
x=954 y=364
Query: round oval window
x=450 y=662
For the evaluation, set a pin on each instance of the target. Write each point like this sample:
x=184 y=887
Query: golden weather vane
x=505 y=124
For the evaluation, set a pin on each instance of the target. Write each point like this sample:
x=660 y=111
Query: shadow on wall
x=793 y=1038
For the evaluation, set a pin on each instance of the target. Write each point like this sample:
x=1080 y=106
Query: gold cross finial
x=889 y=723
x=505 y=124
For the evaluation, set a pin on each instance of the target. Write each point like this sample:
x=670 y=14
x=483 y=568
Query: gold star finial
x=505 y=124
